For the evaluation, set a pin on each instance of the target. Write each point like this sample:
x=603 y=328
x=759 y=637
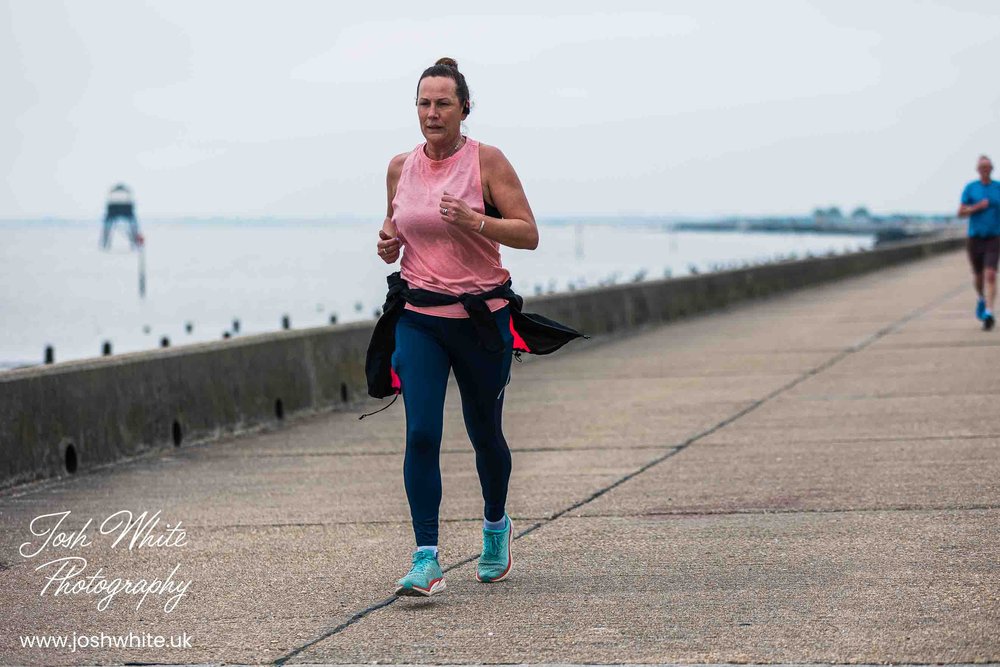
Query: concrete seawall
x=68 y=417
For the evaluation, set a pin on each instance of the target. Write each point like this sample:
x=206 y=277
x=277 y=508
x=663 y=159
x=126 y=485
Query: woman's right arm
x=389 y=245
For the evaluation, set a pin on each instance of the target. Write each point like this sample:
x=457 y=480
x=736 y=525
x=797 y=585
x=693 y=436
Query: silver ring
x=444 y=211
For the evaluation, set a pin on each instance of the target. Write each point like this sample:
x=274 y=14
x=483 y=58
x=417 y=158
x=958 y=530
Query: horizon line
x=359 y=217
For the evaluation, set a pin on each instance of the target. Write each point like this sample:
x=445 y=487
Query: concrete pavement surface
x=813 y=478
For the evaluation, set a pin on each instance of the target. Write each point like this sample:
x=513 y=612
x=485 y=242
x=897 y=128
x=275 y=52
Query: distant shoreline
x=687 y=223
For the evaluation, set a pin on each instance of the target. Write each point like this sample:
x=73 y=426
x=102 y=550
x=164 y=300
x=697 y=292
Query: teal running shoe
x=424 y=578
x=981 y=309
x=496 y=560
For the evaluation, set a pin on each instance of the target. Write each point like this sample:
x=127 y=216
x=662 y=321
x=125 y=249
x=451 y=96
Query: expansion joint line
x=673 y=451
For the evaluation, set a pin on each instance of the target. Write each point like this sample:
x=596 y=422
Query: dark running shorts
x=984 y=252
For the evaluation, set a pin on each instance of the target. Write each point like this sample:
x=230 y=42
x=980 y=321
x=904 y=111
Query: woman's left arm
x=517 y=228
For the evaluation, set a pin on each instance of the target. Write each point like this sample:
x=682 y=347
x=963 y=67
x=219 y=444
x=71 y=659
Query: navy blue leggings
x=427 y=348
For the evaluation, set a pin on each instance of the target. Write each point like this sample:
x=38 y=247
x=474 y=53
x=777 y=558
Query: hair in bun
x=448 y=67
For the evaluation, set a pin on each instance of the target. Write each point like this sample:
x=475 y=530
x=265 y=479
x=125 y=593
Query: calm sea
x=58 y=288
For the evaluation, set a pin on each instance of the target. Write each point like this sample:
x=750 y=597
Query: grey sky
x=680 y=108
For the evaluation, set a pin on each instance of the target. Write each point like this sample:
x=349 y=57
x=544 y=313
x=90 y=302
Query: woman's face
x=438 y=108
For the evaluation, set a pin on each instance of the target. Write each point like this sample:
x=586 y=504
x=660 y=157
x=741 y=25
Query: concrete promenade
x=814 y=478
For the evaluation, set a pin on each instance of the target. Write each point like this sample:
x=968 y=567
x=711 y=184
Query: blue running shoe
x=981 y=309
x=424 y=578
x=496 y=560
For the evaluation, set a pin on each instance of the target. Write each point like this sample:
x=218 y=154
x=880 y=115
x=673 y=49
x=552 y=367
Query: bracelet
x=481 y=225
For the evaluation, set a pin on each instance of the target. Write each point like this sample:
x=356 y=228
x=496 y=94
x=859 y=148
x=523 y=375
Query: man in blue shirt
x=981 y=203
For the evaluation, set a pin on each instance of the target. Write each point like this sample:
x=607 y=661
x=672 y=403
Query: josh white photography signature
x=65 y=575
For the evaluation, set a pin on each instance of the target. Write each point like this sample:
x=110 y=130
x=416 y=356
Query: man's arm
x=967 y=208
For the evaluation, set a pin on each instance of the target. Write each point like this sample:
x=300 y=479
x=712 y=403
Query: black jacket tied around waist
x=533 y=333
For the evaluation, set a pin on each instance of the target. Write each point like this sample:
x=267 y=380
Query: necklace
x=457 y=144
x=450 y=153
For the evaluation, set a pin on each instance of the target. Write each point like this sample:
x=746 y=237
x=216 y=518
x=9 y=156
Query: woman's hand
x=454 y=211
x=388 y=247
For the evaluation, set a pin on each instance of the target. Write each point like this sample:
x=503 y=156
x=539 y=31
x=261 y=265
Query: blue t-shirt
x=987 y=221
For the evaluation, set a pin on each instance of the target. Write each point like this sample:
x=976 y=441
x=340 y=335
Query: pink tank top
x=439 y=256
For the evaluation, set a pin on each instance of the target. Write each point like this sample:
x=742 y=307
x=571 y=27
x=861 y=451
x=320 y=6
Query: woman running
x=452 y=202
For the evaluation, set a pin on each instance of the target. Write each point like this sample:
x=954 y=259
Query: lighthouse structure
x=121 y=208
